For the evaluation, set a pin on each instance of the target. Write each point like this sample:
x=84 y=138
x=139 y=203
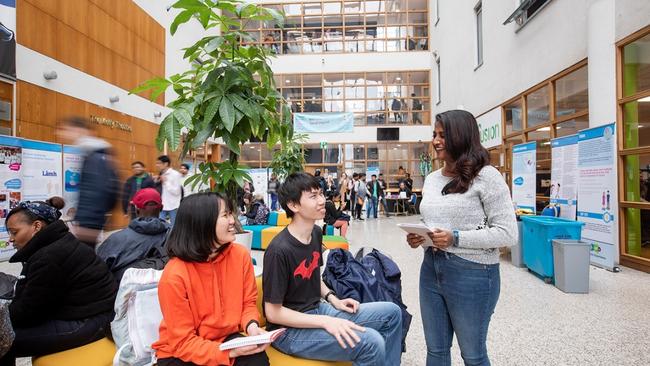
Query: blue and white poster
x=72 y=162
x=597 y=193
x=524 y=175
x=42 y=170
x=323 y=122
x=10 y=187
x=564 y=175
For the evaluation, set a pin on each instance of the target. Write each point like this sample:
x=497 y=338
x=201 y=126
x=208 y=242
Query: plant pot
x=245 y=239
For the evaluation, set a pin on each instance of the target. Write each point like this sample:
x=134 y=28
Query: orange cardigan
x=203 y=303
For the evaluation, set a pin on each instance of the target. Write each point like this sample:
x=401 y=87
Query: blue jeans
x=381 y=343
x=171 y=214
x=274 y=201
x=372 y=206
x=457 y=296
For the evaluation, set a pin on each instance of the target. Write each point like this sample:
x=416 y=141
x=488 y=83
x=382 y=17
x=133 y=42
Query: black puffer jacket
x=63 y=280
x=144 y=238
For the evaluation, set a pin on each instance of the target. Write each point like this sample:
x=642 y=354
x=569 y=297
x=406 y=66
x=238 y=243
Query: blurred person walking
x=99 y=183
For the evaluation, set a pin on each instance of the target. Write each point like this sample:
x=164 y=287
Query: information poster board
x=10 y=187
x=72 y=162
x=370 y=171
x=260 y=182
x=597 y=193
x=564 y=175
x=42 y=170
x=524 y=175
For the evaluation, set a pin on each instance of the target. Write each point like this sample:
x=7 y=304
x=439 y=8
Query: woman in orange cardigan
x=207 y=291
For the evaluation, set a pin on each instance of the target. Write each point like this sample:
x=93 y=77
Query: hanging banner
x=72 y=162
x=42 y=166
x=323 y=122
x=524 y=175
x=597 y=193
x=10 y=187
x=564 y=175
x=8 y=39
x=489 y=127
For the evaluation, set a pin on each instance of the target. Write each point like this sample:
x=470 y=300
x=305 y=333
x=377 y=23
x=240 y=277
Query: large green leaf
x=227 y=113
x=214 y=43
x=211 y=110
x=181 y=18
x=170 y=131
x=183 y=116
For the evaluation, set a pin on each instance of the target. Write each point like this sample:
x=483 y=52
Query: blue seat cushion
x=257 y=234
x=273 y=218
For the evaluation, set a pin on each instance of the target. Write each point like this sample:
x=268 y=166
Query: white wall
x=602 y=63
x=631 y=15
x=553 y=40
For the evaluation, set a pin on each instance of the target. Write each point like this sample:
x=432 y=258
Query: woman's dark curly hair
x=463 y=145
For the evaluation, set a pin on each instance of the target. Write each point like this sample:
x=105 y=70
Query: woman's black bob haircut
x=194 y=233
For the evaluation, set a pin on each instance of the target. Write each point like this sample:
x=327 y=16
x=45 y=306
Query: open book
x=252 y=340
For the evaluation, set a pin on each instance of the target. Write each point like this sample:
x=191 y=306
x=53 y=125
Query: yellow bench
x=278 y=358
x=268 y=234
x=98 y=353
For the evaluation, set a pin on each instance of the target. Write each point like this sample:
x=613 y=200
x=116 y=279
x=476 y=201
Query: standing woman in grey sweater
x=467 y=204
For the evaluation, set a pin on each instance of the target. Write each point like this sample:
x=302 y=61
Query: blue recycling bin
x=537 y=244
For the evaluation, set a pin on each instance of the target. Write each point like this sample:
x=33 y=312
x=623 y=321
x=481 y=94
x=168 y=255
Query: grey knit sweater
x=484 y=215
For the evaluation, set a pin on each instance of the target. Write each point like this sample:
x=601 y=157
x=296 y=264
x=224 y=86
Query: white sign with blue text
x=597 y=193
x=42 y=170
x=524 y=175
x=330 y=122
x=564 y=175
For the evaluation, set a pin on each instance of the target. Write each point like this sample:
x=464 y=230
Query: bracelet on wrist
x=327 y=295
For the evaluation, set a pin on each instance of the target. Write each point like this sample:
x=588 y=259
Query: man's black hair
x=291 y=190
x=164 y=159
x=138 y=163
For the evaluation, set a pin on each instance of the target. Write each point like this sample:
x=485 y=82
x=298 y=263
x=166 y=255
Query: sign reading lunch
x=489 y=127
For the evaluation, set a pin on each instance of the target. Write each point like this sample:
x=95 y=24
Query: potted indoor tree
x=290 y=158
x=228 y=93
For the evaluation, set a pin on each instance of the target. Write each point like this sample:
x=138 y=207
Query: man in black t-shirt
x=331 y=330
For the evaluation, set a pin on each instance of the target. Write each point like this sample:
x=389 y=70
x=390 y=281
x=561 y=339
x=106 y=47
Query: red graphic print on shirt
x=306 y=271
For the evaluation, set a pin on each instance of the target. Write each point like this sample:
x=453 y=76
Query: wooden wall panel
x=36 y=28
x=115 y=41
x=40 y=112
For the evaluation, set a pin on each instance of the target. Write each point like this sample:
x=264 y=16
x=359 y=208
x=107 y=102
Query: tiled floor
x=534 y=323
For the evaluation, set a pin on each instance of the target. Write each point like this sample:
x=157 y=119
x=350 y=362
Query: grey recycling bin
x=571 y=262
x=516 y=254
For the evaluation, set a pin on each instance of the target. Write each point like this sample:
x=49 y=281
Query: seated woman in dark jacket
x=333 y=215
x=253 y=206
x=64 y=297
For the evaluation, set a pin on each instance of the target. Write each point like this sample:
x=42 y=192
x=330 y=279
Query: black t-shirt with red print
x=291 y=274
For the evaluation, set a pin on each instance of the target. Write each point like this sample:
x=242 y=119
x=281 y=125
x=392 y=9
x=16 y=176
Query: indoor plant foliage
x=228 y=93
x=290 y=158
